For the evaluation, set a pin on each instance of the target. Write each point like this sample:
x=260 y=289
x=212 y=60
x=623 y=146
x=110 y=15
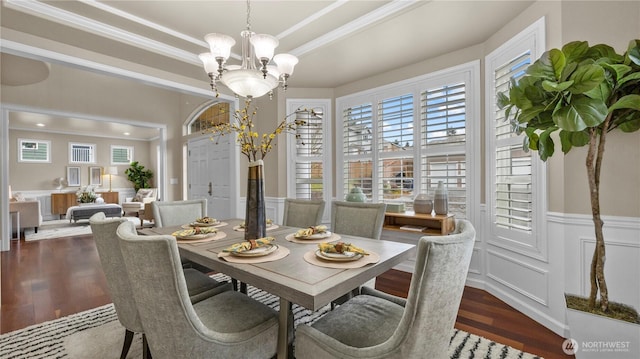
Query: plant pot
x=599 y=337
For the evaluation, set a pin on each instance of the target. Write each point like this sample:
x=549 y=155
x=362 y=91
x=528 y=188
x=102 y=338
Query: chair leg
x=128 y=338
x=243 y=286
x=146 y=352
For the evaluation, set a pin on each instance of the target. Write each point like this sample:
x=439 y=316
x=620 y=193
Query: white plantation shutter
x=121 y=155
x=82 y=153
x=513 y=190
x=309 y=171
x=34 y=150
x=443 y=132
x=395 y=147
x=357 y=133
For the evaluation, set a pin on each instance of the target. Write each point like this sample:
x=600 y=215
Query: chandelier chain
x=248 y=15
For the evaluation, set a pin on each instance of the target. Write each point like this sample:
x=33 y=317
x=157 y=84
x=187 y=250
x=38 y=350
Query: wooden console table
x=433 y=224
x=60 y=202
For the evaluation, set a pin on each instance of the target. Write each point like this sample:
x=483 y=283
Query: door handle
x=210 y=189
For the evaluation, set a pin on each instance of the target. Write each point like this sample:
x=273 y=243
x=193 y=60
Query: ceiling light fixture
x=247 y=80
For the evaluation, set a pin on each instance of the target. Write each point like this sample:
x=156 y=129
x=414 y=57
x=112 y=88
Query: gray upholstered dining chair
x=303 y=213
x=357 y=219
x=227 y=325
x=199 y=285
x=378 y=325
x=174 y=213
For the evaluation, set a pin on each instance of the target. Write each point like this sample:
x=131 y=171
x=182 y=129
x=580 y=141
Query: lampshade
x=249 y=83
x=286 y=63
x=220 y=45
x=264 y=46
x=209 y=62
x=112 y=170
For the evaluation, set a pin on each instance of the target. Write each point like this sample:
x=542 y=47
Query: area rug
x=96 y=333
x=64 y=228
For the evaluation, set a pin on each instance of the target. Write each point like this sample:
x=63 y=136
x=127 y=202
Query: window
x=516 y=180
x=401 y=140
x=310 y=151
x=213 y=114
x=82 y=153
x=34 y=151
x=121 y=155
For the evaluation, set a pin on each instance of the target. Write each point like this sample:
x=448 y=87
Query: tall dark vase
x=255 y=216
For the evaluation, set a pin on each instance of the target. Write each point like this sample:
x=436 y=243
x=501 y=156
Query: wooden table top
x=292 y=278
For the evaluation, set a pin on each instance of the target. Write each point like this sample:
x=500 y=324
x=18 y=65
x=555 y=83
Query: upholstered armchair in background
x=378 y=325
x=139 y=204
x=30 y=214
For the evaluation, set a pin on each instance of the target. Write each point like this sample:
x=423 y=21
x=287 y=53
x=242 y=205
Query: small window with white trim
x=82 y=153
x=36 y=151
x=121 y=155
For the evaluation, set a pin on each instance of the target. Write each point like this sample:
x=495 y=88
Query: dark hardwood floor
x=45 y=280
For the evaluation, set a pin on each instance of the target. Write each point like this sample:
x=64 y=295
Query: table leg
x=283 y=329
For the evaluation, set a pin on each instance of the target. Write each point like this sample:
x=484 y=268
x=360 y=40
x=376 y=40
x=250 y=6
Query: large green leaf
x=552 y=86
x=586 y=78
x=530 y=140
x=565 y=141
x=634 y=76
x=606 y=51
x=545 y=144
x=618 y=70
x=628 y=101
x=581 y=113
x=502 y=100
x=600 y=92
x=631 y=126
x=573 y=51
x=518 y=98
x=633 y=52
x=543 y=67
x=528 y=114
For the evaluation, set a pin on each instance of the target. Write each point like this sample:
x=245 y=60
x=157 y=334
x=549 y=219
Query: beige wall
x=611 y=22
x=39 y=176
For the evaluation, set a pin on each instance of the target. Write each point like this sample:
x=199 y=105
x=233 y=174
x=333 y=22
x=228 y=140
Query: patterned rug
x=96 y=333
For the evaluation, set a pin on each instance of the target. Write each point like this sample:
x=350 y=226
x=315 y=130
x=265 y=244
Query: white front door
x=210 y=175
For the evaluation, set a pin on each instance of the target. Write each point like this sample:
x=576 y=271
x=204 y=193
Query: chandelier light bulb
x=286 y=63
x=209 y=62
x=220 y=45
x=264 y=46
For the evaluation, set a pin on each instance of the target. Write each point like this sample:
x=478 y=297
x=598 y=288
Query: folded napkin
x=194 y=231
x=206 y=220
x=341 y=247
x=269 y=222
x=306 y=232
x=249 y=245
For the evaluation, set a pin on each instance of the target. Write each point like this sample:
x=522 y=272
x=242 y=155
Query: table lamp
x=112 y=172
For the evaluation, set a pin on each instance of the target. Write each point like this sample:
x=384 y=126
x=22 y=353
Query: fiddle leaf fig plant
x=139 y=176
x=576 y=96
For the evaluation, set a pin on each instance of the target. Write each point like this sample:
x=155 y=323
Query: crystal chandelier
x=247 y=80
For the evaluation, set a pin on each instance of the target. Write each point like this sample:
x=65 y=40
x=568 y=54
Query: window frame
x=470 y=73
x=93 y=149
x=529 y=244
x=130 y=150
x=21 y=158
x=327 y=150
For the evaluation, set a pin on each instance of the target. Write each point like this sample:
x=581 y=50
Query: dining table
x=295 y=271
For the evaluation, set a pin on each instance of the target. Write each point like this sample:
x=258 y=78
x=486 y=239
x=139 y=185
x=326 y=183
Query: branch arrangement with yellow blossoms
x=253 y=144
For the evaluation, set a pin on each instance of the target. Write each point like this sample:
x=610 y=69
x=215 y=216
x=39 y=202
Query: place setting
x=313 y=234
x=269 y=222
x=201 y=230
x=254 y=251
x=340 y=255
x=204 y=222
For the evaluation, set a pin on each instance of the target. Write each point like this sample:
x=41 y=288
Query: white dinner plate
x=326 y=234
x=338 y=257
x=257 y=252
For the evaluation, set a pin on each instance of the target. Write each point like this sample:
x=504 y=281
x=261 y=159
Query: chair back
x=358 y=219
x=174 y=213
x=104 y=235
x=303 y=213
x=172 y=325
x=435 y=293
